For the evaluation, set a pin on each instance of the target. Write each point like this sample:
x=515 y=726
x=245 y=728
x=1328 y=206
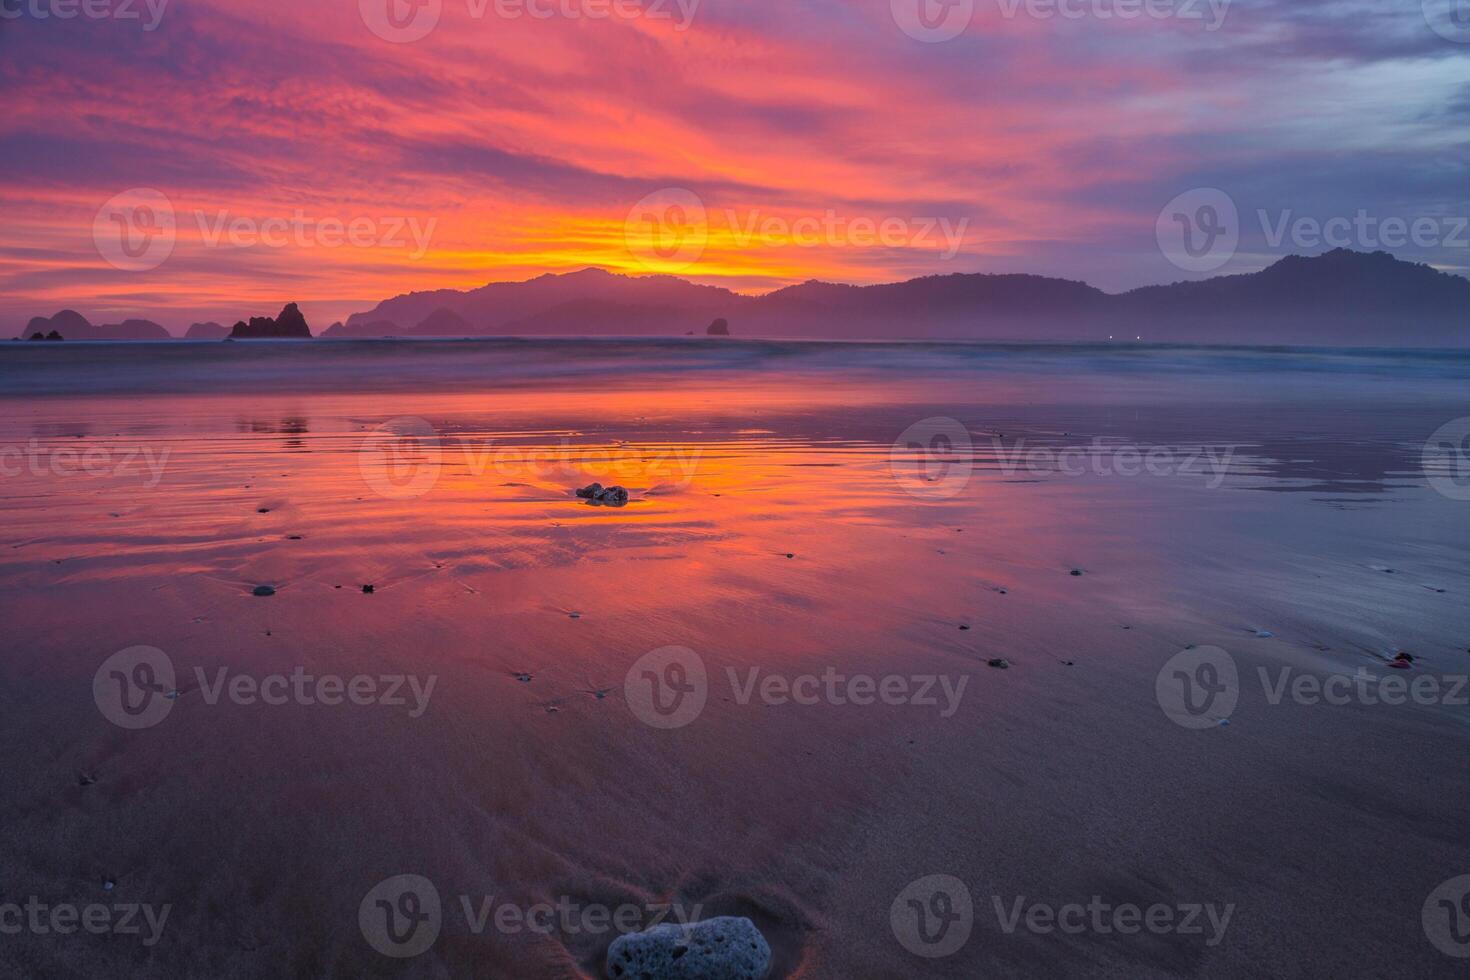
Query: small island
x=289 y=325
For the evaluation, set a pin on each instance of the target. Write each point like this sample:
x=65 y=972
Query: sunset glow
x=517 y=144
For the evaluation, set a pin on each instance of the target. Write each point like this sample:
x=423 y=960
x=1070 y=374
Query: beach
x=925 y=597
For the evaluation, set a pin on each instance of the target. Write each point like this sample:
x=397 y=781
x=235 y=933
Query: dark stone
x=727 y=948
x=263 y=590
x=720 y=328
x=369 y=589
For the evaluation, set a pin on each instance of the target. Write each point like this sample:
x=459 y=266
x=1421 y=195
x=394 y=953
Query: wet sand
x=773 y=528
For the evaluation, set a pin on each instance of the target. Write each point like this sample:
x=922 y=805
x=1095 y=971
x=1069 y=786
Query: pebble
x=369 y=589
x=263 y=590
x=1076 y=573
x=85 y=779
x=1000 y=664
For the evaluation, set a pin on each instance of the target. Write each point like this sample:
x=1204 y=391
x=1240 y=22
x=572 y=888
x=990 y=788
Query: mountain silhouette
x=71 y=325
x=1340 y=297
x=207 y=331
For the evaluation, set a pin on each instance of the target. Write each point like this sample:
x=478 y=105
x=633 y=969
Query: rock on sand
x=726 y=948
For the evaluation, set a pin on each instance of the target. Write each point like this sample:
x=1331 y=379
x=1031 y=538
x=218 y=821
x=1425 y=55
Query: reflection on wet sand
x=1081 y=527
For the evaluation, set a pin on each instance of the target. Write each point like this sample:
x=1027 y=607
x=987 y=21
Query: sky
x=184 y=160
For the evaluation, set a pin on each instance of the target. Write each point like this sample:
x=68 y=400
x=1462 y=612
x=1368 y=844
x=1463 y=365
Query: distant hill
x=1341 y=297
x=444 y=322
x=493 y=307
x=374 y=328
x=71 y=325
x=207 y=331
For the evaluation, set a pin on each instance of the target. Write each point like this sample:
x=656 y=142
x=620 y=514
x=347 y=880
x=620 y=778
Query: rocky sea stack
x=720 y=328
x=289 y=325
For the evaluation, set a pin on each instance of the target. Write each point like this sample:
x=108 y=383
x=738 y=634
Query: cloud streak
x=527 y=140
